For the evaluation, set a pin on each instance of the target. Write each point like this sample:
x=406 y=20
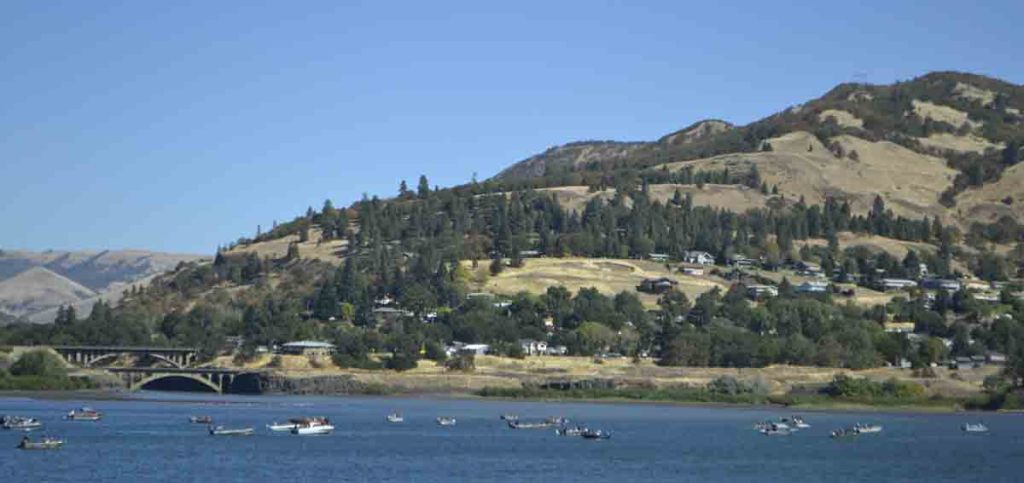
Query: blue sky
x=182 y=125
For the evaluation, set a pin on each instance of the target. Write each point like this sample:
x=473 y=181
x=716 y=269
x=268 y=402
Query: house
x=656 y=285
x=308 y=348
x=889 y=284
x=475 y=349
x=384 y=301
x=976 y=285
x=758 y=291
x=698 y=258
x=808 y=269
x=742 y=261
x=812 y=287
x=996 y=359
x=529 y=253
x=385 y=316
x=899 y=327
x=658 y=257
x=990 y=297
x=557 y=350
x=534 y=347
x=695 y=270
x=946 y=284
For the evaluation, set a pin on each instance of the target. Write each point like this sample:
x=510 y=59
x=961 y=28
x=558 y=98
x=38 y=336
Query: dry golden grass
x=985 y=203
x=964 y=144
x=926 y=110
x=843 y=118
x=800 y=165
x=609 y=276
x=330 y=251
x=974 y=93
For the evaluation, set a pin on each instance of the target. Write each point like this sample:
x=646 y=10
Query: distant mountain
x=34 y=284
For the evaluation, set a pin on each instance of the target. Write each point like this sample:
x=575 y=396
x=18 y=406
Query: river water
x=148 y=438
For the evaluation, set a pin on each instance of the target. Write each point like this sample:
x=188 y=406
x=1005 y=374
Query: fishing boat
x=395 y=418
x=83 y=414
x=867 y=428
x=445 y=421
x=974 y=428
x=314 y=426
x=516 y=424
x=796 y=422
x=596 y=434
x=45 y=443
x=843 y=433
x=566 y=431
x=288 y=426
x=200 y=419
x=222 y=431
x=20 y=423
x=776 y=429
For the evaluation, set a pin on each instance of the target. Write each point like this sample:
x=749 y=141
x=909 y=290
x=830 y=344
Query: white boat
x=83 y=414
x=974 y=428
x=446 y=421
x=776 y=429
x=281 y=427
x=395 y=418
x=796 y=422
x=867 y=428
x=314 y=426
x=46 y=443
x=20 y=423
x=222 y=431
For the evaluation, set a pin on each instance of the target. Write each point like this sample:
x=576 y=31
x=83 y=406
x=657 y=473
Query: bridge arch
x=192 y=377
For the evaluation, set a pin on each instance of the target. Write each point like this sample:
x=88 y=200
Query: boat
x=867 y=428
x=516 y=424
x=200 y=419
x=395 y=418
x=45 y=443
x=557 y=420
x=974 y=428
x=566 y=431
x=596 y=434
x=446 y=421
x=776 y=429
x=509 y=417
x=222 y=431
x=288 y=426
x=796 y=422
x=83 y=414
x=843 y=433
x=314 y=426
x=20 y=423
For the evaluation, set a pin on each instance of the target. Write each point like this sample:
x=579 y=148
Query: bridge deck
x=172 y=370
x=124 y=349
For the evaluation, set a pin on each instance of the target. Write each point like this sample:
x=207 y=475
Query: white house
x=698 y=258
x=658 y=257
x=761 y=291
x=533 y=347
x=897 y=284
x=307 y=348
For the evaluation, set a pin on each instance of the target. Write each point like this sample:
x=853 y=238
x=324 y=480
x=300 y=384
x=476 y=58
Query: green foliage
x=843 y=386
x=42 y=363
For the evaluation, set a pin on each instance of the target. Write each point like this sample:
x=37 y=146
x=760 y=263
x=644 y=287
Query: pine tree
x=423 y=188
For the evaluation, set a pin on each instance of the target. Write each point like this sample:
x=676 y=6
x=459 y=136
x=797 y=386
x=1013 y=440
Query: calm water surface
x=149 y=439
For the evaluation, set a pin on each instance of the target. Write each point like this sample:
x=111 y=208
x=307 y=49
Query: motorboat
x=45 y=443
x=83 y=414
x=843 y=433
x=222 y=431
x=595 y=434
x=566 y=431
x=314 y=426
x=776 y=429
x=516 y=424
x=974 y=428
x=446 y=421
x=288 y=426
x=867 y=428
x=796 y=422
x=20 y=423
x=509 y=417
x=395 y=418
x=200 y=419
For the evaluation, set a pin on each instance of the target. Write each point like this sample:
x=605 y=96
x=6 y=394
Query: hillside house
x=758 y=291
x=698 y=258
x=946 y=284
x=812 y=287
x=808 y=269
x=534 y=347
x=656 y=285
x=693 y=270
x=743 y=261
x=891 y=284
x=308 y=348
x=658 y=257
